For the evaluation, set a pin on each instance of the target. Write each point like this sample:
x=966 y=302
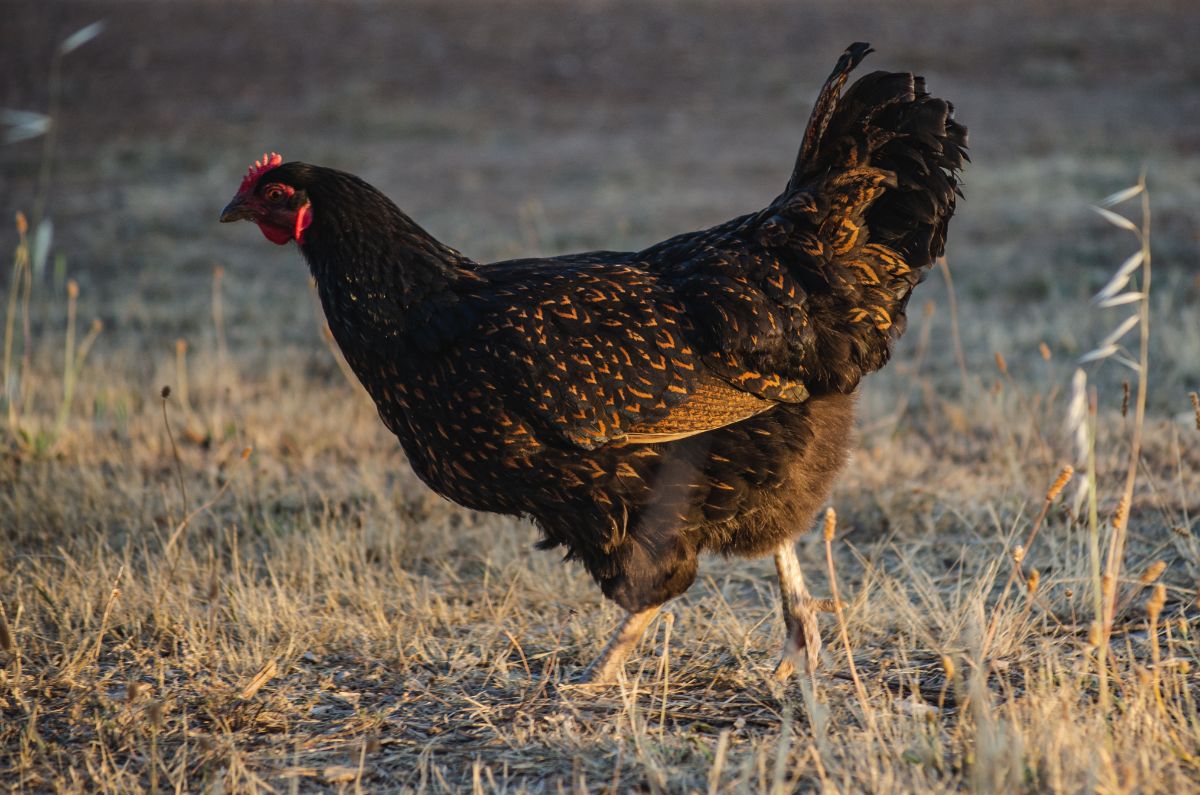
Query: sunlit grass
x=247 y=586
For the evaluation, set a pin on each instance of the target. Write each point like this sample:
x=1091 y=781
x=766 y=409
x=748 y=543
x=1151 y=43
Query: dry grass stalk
x=165 y=393
x=181 y=374
x=154 y=713
x=1116 y=550
x=1154 y=607
x=264 y=674
x=8 y=643
x=1018 y=552
x=1108 y=586
x=718 y=763
x=20 y=278
x=207 y=504
x=113 y=595
x=829 y=530
x=952 y=300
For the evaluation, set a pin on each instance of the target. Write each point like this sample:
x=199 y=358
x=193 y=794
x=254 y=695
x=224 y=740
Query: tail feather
x=868 y=205
x=823 y=108
x=886 y=122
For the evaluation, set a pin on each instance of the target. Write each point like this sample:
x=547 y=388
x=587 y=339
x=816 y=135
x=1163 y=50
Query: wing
x=593 y=350
x=712 y=404
x=749 y=308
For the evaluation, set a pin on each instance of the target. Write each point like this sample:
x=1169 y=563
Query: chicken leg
x=604 y=669
x=799 y=614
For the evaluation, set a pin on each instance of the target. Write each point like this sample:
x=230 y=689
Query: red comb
x=260 y=167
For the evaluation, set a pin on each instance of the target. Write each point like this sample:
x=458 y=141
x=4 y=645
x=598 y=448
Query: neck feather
x=375 y=268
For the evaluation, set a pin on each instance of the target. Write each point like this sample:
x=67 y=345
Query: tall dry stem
x=20 y=273
x=829 y=531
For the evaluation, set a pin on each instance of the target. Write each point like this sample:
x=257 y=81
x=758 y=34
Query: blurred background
x=520 y=128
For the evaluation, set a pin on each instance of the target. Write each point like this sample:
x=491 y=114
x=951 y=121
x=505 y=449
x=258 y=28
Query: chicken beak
x=236 y=210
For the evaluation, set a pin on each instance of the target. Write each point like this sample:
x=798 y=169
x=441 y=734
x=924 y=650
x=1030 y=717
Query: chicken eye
x=275 y=193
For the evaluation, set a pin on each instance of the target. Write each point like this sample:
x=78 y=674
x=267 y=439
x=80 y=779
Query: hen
x=645 y=407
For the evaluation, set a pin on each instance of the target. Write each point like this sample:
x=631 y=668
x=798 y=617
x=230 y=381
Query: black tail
x=888 y=131
x=866 y=209
x=823 y=109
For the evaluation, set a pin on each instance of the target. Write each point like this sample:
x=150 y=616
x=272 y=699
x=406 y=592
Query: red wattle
x=275 y=234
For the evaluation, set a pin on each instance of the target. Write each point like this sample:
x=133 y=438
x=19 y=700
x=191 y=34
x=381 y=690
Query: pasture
x=237 y=584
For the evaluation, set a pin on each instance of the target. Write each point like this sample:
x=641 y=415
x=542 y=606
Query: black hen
x=644 y=407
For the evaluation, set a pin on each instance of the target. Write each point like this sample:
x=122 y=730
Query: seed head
x=1064 y=477
x=1152 y=572
x=1154 y=604
x=1121 y=515
x=830 y=523
x=1035 y=577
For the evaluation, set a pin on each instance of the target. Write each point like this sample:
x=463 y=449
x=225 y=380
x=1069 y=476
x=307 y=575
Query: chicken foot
x=799 y=615
x=604 y=668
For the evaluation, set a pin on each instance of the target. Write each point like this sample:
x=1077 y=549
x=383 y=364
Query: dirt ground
x=419 y=646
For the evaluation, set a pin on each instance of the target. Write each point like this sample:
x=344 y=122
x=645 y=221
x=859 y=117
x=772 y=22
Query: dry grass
x=179 y=614
x=324 y=621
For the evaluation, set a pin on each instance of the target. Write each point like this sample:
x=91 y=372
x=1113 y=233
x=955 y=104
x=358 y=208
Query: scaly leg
x=799 y=614
x=604 y=668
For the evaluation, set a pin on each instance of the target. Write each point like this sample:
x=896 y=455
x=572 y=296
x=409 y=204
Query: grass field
x=241 y=587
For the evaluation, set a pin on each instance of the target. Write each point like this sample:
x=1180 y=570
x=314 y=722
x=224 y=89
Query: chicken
x=645 y=407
